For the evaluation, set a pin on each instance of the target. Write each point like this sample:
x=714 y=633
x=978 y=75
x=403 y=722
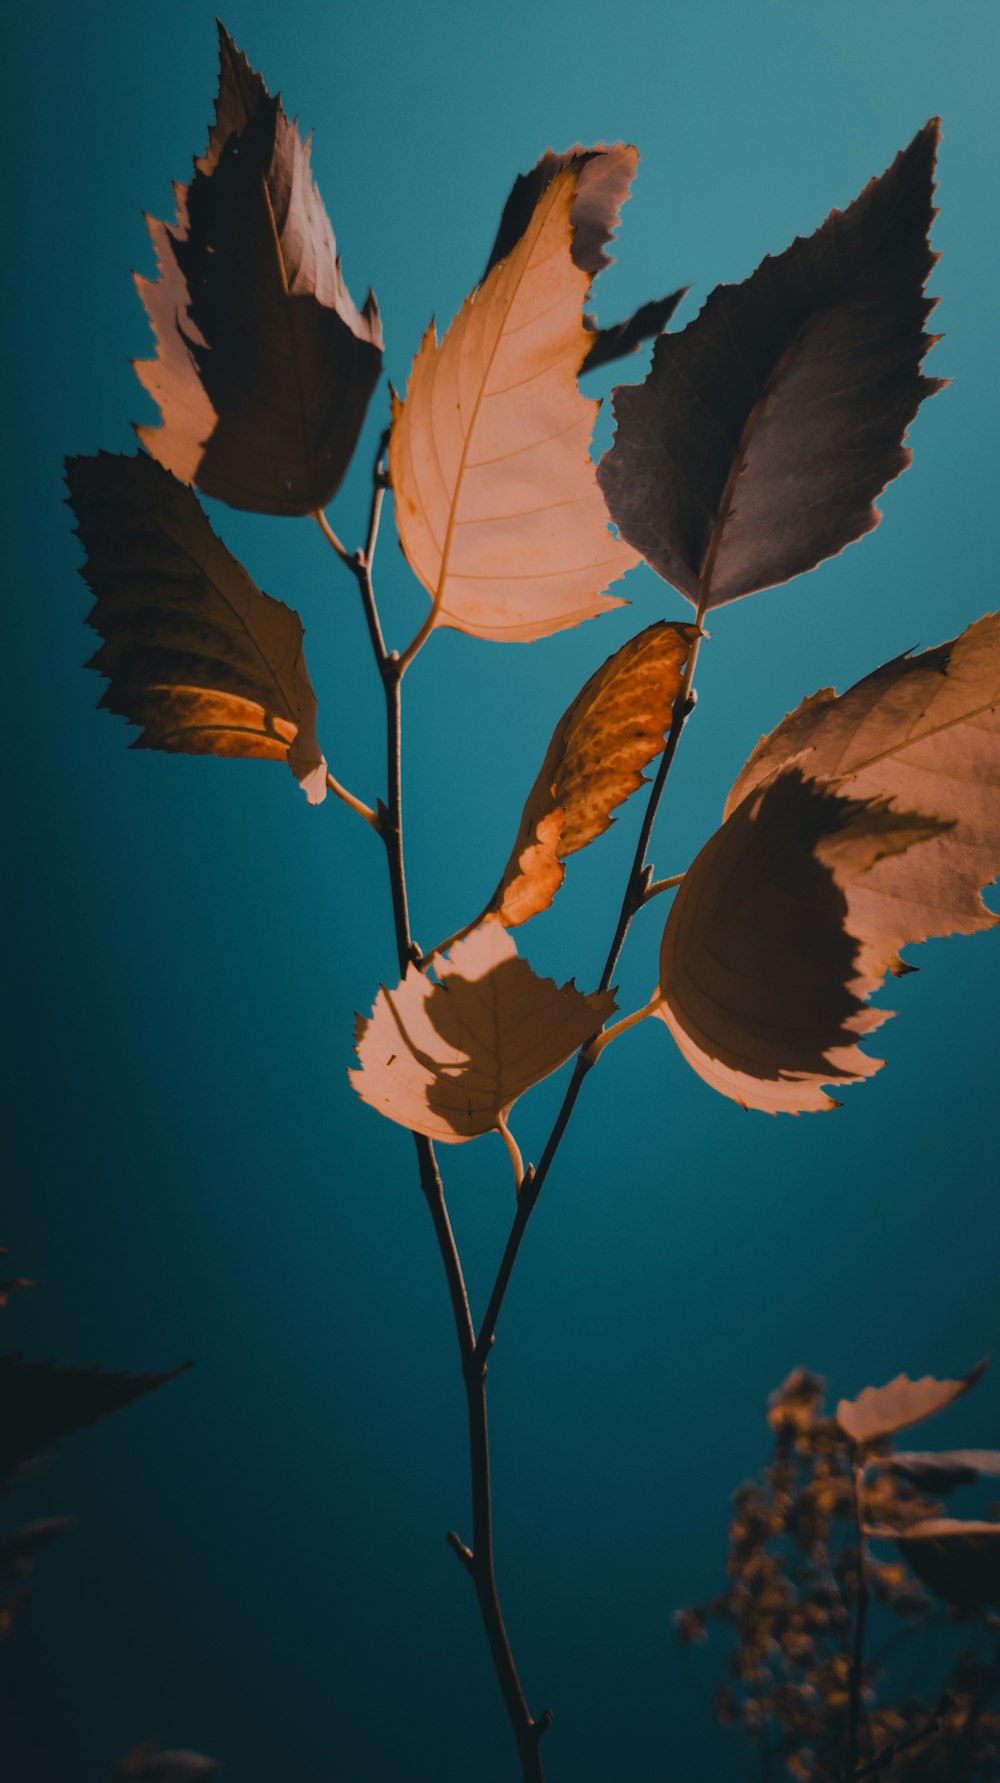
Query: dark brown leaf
x=43 y=1403
x=264 y=366
x=936 y=1473
x=194 y=653
x=146 y=1765
x=881 y=1411
x=958 y=1561
x=767 y=427
x=18 y=1552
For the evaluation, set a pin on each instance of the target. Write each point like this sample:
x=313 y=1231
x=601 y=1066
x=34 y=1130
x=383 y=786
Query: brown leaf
x=762 y=973
x=264 y=366
x=606 y=173
x=194 y=653
x=958 y=1561
x=941 y=1472
x=449 y=1057
x=766 y=428
x=612 y=730
x=923 y=731
x=19 y=1551
x=146 y=1765
x=497 y=502
x=881 y=1411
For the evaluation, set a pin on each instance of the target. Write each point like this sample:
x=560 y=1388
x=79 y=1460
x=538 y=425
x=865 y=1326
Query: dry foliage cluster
x=754 y=448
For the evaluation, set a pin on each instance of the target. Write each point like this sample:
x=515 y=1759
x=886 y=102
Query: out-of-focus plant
x=820 y=1623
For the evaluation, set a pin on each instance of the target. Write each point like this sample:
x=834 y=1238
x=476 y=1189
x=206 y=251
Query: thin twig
x=348 y=798
x=856 y=1677
x=661 y=885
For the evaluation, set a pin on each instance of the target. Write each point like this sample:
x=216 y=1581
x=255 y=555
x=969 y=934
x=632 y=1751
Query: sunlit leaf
x=762 y=977
x=612 y=730
x=958 y=1561
x=606 y=173
x=264 y=366
x=940 y=1472
x=766 y=428
x=497 y=502
x=43 y=1403
x=146 y=1765
x=193 y=652
x=448 y=1054
x=881 y=1411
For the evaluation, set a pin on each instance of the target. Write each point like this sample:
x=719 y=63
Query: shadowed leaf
x=606 y=173
x=497 y=502
x=43 y=1403
x=194 y=653
x=18 y=1552
x=764 y=967
x=936 y=1473
x=613 y=729
x=881 y=1411
x=958 y=1561
x=757 y=444
x=449 y=1057
x=146 y=1765
x=264 y=366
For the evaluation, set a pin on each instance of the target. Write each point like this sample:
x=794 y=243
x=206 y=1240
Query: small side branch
x=661 y=885
x=354 y=804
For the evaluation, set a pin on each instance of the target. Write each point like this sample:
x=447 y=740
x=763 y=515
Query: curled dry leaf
x=958 y=1561
x=881 y=1411
x=448 y=1055
x=940 y=1472
x=497 y=502
x=264 y=367
x=43 y=1403
x=606 y=173
x=921 y=732
x=613 y=729
x=762 y=977
x=146 y=1765
x=194 y=653
x=767 y=427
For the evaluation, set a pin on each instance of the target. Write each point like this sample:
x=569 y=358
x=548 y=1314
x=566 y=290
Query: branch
x=856 y=1679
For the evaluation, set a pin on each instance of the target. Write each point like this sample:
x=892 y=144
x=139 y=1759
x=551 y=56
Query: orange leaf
x=612 y=730
x=881 y=1411
x=447 y=1056
x=497 y=502
x=194 y=652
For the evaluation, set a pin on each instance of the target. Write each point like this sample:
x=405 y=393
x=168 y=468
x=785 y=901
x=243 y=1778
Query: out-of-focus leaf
x=881 y=1411
x=194 y=653
x=606 y=173
x=146 y=1765
x=12 y=1284
x=762 y=973
x=958 y=1561
x=766 y=428
x=923 y=731
x=935 y=1473
x=264 y=366
x=447 y=1056
x=43 y=1403
x=19 y=1551
x=612 y=730
x=497 y=503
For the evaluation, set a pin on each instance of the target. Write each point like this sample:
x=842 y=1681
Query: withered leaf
x=941 y=1472
x=762 y=975
x=43 y=1403
x=194 y=653
x=923 y=731
x=603 y=741
x=448 y=1055
x=146 y=1765
x=757 y=444
x=881 y=1411
x=497 y=502
x=607 y=172
x=958 y=1561
x=264 y=367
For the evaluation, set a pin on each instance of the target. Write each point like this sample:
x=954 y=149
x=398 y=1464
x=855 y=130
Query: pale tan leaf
x=497 y=501
x=194 y=653
x=447 y=1055
x=612 y=730
x=959 y=1561
x=762 y=973
x=881 y=1411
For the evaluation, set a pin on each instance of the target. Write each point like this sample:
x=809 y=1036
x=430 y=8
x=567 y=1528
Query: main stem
x=856 y=1680
x=478 y=1559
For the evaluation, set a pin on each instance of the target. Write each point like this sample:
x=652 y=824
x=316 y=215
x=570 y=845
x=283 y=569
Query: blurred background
x=259 y=1568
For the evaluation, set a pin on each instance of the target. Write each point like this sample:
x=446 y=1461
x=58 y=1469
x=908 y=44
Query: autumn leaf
x=612 y=730
x=194 y=653
x=606 y=173
x=497 y=502
x=448 y=1055
x=43 y=1403
x=757 y=444
x=146 y=1765
x=264 y=367
x=881 y=1411
x=959 y=1561
x=940 y=1472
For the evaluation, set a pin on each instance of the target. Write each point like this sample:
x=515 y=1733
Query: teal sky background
x=259 y=1568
